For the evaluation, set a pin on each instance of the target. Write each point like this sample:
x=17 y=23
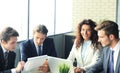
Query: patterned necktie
x=6 y=59
x=111 y=62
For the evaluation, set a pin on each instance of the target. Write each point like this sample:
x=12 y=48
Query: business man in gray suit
x=109 y=61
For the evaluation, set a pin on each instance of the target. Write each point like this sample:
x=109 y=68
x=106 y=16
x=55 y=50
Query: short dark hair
x=41 y=29
x=109 y=27
x=7 y=33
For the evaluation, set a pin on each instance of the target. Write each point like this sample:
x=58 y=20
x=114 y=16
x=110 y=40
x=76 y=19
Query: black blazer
x=28 y=48
x=102 y=64
x=11 y=61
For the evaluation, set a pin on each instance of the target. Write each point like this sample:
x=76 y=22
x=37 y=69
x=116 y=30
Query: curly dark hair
x=94 y=38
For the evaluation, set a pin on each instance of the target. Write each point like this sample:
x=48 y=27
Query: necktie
x=6 y=59
x=111 y=62
x=39 y=50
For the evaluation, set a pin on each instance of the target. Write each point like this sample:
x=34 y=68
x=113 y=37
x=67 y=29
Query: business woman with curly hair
x=86 y=48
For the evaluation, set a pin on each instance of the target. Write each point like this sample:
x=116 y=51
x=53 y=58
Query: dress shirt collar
x=4 y=50
x=40 y=45
x=117 y=47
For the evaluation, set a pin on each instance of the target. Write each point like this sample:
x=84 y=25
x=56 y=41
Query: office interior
x=60 y=17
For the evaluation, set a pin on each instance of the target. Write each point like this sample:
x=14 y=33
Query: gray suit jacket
x=102 y=64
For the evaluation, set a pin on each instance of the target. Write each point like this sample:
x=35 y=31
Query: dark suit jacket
x=102 y=64
x=11 y=61
x=28 y=48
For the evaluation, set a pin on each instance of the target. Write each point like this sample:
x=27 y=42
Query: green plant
x=64 y=68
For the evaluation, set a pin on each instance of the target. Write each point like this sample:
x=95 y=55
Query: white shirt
x=85 y=46
x=4 y=50
x=116 y=50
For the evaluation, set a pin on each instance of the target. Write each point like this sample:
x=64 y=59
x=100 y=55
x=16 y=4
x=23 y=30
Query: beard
x=108 y=44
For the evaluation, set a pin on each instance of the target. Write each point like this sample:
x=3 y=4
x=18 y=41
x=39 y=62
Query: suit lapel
x=1 y=53
x=1 y=56
x=81 y=61
x=33 y=47
x=88 y=53
x=107 y=54
x=117 y=64
x=79 y=56
x=44 y=48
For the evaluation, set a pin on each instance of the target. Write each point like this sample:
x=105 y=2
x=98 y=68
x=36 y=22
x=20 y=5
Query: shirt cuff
x=13 y=70
x=83 y=68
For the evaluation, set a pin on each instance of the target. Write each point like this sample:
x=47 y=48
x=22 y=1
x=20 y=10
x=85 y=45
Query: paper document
x=32 y=65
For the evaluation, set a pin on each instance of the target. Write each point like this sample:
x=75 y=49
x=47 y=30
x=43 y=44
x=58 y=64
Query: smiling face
x=38 y=38
x=86 y=32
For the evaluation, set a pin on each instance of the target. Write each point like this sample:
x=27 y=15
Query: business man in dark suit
x=109 y=61
x=39 y=45
x=29 y=49
x=8 y=39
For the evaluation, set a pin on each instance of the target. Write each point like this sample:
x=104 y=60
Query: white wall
x=93 y=9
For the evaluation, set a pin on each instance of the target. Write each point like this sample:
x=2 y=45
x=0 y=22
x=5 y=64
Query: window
x=42 y=12
x=56 y=15
x=13 y=13
x=63 y=16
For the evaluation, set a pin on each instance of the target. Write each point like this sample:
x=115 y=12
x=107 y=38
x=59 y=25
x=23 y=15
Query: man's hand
x=20 y=66
x=45 y=67
x=78 y=70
